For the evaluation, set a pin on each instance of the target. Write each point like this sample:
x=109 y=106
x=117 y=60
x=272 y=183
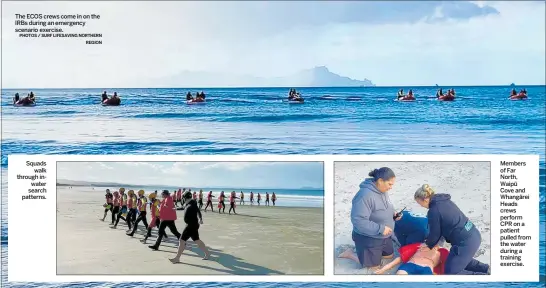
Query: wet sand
x=467 y=182
x=257 y=241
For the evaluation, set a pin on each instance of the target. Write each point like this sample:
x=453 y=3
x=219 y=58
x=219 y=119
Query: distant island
x=316 y=77
x=113 y=185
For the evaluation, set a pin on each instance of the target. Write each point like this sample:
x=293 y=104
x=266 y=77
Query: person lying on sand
x=418 y=262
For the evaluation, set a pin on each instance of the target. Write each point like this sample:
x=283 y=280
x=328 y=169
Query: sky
x=279 y=175
x=391 y=43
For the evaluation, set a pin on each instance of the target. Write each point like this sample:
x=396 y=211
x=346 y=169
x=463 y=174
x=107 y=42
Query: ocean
x=285 y=197
x=257 y=121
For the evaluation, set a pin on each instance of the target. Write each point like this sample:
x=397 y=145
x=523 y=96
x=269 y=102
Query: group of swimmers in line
x=376 y=226
x=163 y=215
x=221 y=199
x=114 y=100
x=199 y=97
x=30 y=99
x=293 y=95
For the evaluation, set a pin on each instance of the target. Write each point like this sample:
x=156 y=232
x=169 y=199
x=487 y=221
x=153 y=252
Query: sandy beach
x=467 y=182
x=257 y=241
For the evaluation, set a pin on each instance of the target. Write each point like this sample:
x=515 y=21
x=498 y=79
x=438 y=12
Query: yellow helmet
x=140 y=192
x=131 y=192
x=121 y=190
x=152 y=195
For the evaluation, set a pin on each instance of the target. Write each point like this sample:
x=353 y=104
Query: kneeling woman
x=372 y=216
x=446 y=220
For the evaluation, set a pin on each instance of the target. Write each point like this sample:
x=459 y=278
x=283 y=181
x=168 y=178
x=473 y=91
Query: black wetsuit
x=192 y=215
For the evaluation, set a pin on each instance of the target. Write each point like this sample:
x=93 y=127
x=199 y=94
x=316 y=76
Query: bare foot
x=206 y=257
x=346 y=254
x=174 y=260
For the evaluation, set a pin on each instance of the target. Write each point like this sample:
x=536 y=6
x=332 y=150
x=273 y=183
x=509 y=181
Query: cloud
x=390 y=43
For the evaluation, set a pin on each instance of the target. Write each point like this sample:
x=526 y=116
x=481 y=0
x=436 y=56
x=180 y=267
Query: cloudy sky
x=390 y=43
x=198 y=174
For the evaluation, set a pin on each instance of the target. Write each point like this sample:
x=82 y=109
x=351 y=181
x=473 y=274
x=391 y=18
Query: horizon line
x=283 y=87
x=96 y=184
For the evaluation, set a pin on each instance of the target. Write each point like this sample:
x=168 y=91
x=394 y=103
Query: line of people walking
x=133 y=208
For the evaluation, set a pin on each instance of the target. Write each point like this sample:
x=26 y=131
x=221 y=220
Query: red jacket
x=166 y=210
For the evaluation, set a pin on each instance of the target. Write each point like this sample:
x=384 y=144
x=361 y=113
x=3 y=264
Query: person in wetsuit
x=16 y=98
x=167 y=213
x=440 y=93
x=514 y=93
x=193 y=219
x=104 y=96
x=189 y=97
x=400 y=94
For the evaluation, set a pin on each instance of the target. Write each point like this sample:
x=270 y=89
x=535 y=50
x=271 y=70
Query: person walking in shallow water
x=192 y=218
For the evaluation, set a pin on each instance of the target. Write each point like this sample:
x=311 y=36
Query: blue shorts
x=414 y=269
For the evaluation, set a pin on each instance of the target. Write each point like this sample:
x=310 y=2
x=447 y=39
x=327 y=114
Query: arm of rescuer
x=435 y=229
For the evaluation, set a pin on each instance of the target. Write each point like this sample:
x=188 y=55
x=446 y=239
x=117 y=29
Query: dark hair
x=384 y=173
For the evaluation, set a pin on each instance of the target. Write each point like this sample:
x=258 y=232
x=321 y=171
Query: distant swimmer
x=209 y=201
x=104 y=96
x=251 y=198
x=242 y=196
x=154 y=212
x=193 y=219
x=259 y=198
x=108 y=205
x=167 y=213
x=141 y=206
x=232 y=198
x=16 y=98
x=266 y=198
x=200 y=201
x=514 y=92
x=189 y=97
x=221 y=203
x=273 y=198
x=123 y=210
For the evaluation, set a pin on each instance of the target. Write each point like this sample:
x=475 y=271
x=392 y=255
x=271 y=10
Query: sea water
x=257 y=121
